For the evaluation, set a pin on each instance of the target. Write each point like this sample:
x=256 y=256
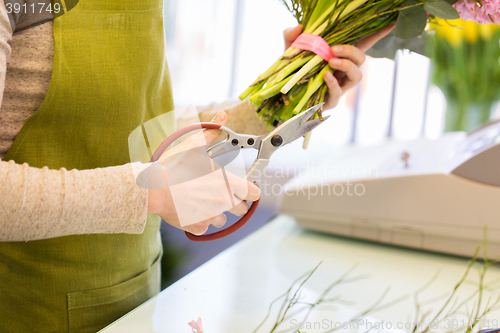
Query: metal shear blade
x=306 y=128
x=290 y=130
x=267 y=144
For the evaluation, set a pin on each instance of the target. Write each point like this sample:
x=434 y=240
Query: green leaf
x=411 y=21
x=441 y=9
x=387 y=46
x=451 y=2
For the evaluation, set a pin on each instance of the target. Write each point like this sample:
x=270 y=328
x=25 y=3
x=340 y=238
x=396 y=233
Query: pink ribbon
x=315 y=44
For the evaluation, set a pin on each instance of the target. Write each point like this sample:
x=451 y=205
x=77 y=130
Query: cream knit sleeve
x=41 y=203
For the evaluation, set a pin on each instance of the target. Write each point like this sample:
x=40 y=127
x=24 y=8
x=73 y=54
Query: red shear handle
x=179 y=133
x=221 y=233
x=229 y=230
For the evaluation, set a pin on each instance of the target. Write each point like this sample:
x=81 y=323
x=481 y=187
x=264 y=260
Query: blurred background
x=216 y=48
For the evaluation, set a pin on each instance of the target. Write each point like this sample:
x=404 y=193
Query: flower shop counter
x=233 y=291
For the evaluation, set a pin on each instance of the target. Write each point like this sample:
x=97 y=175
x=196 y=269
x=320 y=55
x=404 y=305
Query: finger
x=201 y=227
x=220 y=118
x=291 y=34
x=240 y=209
x=334 y=91
x=212 y=135
x=367 y=42
x=352 y=72
x=219 y=221
x=350 y=52
x=206 y=137
x=198 y=228
x=243 y=189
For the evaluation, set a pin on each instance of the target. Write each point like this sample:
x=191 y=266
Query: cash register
x=437 y=195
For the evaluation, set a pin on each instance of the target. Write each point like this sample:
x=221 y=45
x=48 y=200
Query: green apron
x=109 y=77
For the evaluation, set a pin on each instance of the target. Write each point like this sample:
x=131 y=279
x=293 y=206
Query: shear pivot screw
x=234 y=142
x=277 y=140
x=250 y=141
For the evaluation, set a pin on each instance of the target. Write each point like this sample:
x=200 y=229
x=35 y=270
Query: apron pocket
x=92 y=310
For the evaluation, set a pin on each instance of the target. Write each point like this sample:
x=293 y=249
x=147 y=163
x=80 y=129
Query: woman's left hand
x=346 y=67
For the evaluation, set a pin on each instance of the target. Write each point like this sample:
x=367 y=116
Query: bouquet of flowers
x=295 y=81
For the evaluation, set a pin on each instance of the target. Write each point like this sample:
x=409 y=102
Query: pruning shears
x=266 y=145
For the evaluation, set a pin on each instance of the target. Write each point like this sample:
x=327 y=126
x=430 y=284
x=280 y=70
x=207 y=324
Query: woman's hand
x=198 y=193
x=347 y=71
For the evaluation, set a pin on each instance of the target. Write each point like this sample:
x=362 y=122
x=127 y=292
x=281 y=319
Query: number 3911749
x=34 y=8
x=483 y=324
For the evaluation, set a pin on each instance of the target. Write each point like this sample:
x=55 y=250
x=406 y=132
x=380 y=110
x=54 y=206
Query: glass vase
x=466 y=116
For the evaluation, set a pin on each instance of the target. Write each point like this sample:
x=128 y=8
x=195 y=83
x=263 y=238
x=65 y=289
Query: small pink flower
x=196 y=325
x=485 y=11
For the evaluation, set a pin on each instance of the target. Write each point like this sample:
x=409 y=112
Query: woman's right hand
x=198 y=194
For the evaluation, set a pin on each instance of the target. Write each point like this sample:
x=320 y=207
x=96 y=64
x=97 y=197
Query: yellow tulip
x=451 y=31
x=487 y=30
x=455 y=31
x=471 y=32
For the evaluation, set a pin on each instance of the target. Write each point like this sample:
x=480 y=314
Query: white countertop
x=233 y=291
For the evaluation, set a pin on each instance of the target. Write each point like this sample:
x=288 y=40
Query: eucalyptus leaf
x=388 y=46
x=441 y=9
x=411 y=21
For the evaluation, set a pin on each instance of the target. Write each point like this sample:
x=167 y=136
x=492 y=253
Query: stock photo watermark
x=323 y=189
x=364 y=325
x=316 y=169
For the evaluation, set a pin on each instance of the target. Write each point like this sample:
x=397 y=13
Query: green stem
x=264 y=75
x=256 y=88
x=301 y=73
x=307 y=137
x=292 y=67
x=311 y=89
x=295 y=96
x=317 y=59
x=351 y=7
x=321 y=19
x=268 y=93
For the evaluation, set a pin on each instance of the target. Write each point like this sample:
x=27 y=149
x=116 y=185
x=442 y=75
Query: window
x=216 y=48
